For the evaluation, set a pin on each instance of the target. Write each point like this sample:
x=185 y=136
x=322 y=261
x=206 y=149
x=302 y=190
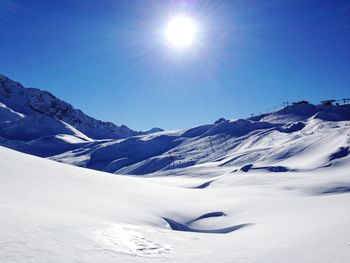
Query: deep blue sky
x=106 y=57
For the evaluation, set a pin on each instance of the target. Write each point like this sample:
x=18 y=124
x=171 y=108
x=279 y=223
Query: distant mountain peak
x=153 y=130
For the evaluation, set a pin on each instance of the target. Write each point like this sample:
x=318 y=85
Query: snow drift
x=61 y=213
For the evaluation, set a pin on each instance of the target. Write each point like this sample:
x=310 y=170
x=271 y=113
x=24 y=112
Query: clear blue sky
x=107 y=57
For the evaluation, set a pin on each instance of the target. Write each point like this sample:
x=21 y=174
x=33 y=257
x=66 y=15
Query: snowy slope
x=272 y=188
x=305 y=137
x=301 y=112
x=36 y=122
x=32 y=102
x=52 y=212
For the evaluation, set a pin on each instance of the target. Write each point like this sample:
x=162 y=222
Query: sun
x=181 y=32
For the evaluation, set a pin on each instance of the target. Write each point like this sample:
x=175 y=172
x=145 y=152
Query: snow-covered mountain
x=271 y=188
x=314 y=135
x=35 y=122
x=44 y=114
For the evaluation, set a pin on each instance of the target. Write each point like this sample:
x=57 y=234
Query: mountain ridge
x=45 y=126
x=32 y=100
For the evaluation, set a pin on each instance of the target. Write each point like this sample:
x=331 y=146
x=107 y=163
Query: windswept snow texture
x=53 y=212
x=184 y=227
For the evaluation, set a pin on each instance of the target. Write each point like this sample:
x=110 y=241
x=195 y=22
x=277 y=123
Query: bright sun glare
x=181 y=31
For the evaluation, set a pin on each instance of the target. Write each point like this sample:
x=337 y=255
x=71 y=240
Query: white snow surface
x=271 y=188
x=240 y=144
x=52 y=212
x=290 y=139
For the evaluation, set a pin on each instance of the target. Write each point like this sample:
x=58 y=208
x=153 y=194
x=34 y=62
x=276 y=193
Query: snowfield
x=53 y=212
x=240 y=144
x=272 y=188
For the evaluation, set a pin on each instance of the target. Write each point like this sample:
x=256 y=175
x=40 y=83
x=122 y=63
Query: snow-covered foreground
x=52 y=212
